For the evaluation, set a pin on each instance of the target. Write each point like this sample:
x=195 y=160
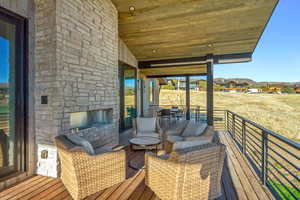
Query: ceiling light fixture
x=131 y=8
x=210 y=45
x=153 y=50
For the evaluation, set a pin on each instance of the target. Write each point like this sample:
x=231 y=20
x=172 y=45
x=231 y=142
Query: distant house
x=297 y=90
x=233 y=90
x=254 y=90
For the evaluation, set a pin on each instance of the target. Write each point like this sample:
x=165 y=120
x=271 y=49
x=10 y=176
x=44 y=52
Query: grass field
x=277 y=112
x=3 y=109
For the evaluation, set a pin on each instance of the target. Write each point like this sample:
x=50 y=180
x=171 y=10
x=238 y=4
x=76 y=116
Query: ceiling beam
x=175 y=75
x=178 y=62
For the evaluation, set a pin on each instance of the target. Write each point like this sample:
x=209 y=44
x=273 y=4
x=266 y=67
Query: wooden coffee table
x=144 y=142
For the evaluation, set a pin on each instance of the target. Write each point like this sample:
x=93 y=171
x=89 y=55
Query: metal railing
x=275 y=158
x=4 y=120
x=197 y=113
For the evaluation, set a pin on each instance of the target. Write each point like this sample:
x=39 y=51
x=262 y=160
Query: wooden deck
x=238 y=182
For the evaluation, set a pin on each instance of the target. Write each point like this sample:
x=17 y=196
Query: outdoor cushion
x=103 y=150
x=179 y=146
x=208 y=133
x=80 y=141
x=177 y=128
x=174 y=138
x=146 y=124
x=148 y=134
x=194 y=129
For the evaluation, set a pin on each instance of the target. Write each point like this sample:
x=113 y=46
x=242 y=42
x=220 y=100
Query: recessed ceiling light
x=210 y=45
x=131 y=8
x=153 y=50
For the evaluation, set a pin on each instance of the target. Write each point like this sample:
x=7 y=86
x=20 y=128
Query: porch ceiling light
x=131 y=9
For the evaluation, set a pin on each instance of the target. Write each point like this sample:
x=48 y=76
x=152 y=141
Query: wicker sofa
x=189 y=173
x=186 y=131
x=84 y=174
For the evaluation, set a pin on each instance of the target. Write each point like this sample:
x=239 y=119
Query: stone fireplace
x=77 y=72
x=91 y=118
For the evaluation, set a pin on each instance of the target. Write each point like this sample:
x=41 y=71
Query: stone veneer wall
x=73 y=60
x=77 y=66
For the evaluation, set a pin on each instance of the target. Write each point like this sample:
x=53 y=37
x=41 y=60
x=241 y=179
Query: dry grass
x=277 y=112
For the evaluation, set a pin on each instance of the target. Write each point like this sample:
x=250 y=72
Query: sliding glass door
x=127 y=95
x=12 y=95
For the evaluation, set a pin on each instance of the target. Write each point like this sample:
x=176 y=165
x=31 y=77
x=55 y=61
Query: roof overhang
x=166 y=30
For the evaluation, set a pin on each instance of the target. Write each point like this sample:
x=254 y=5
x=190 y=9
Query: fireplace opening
x=92 y=118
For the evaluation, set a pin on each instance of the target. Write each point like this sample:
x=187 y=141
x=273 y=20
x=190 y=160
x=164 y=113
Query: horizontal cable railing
x=4 y=120
x=275 y=158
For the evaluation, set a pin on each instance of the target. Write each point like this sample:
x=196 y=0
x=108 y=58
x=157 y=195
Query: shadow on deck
x=238 y=182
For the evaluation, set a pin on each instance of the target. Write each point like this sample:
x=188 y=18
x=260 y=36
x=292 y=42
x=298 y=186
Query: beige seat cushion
x=174 y=138
x=178 y=146
x=146 y=124
x=147 y=134
x=194 y=129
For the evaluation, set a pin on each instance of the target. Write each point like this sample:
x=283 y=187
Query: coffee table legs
x=132 y=165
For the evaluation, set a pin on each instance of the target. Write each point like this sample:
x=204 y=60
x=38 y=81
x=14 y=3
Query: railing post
x=233 y=126
x=244 y=136
x=227 y=119
x=264 y=157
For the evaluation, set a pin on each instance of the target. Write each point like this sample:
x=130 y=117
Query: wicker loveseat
x=191 y=173
x=186 y=131
x=84 y=174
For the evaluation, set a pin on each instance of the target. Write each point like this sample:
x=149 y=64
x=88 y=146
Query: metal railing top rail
x=192 y=106
x=276 y=135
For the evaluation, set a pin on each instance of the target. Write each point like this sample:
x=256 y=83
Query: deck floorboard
x=238 y=182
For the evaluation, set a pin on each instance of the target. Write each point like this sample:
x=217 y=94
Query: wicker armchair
x=84 y=174
x=153 y=129
x=189 y=174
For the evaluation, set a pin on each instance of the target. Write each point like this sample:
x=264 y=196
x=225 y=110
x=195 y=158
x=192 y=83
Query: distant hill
x=3 y=85
x=254 y=83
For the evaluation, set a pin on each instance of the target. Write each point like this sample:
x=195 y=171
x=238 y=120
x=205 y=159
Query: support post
x=188 y=98
x=142 y=83
x=210 y=91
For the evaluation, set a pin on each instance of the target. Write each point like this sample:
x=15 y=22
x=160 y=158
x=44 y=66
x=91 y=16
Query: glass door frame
x=21 y=93
x=122 y=67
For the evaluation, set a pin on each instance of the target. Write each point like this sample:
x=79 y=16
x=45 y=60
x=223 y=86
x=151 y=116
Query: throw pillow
x=80 y=141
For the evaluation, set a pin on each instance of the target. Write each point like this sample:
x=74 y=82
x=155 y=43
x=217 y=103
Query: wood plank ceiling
x=165 y=29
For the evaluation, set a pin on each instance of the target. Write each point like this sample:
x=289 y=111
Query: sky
x=277 y=56
x=3 y=60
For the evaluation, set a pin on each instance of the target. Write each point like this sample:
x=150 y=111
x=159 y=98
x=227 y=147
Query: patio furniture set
x=189 y=168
